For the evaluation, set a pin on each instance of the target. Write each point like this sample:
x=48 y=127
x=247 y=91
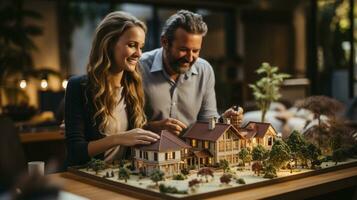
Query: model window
x=155 y=156
x=146 y=155
x=169 y=155
x=236 y=144
x=270 y=141
x=193 y=143
x=206 y=144
x=141 y=154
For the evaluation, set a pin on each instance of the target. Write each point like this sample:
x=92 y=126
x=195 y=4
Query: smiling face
x=128 y=49
x=183 y=52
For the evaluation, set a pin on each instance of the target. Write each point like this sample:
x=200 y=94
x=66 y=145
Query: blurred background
x=44 y=42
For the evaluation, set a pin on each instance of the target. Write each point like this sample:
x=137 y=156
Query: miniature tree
x=279 y=154
x=123 y=174
x=270 y=171
x=257 y=167
x=323 y=134
x=296 y=143
x=97 y=165
x=266 y=90
x=185 y=171
x=224 y=164
x=311 y=152
x=206 y=171
x=179 y=177
x=321 y=105
x=243 y=154
x=156 y=176
x=339 y=155
x=259 y=153
x=226 y=178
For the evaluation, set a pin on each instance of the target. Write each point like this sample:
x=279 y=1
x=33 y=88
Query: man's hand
x=170 y=124
x=232 y=113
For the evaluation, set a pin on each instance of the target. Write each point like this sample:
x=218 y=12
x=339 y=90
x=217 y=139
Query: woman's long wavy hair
x=101 y=61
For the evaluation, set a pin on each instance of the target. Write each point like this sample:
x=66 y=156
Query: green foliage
x=96 y=165
x=241 y=181
x=266 y=89
x=179 y=177
x=224 y=164
x=185 y=171
x=170 y=189
x=296 y=142
x=157 y=175
x=123 y=173
x=243 y=154
x=270 y=171
x=259 y=153
x=226 y=178
x=311 y=152
x=339 y=155
x=279 y=154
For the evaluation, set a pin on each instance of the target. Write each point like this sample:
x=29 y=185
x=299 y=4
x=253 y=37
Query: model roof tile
x=167 y=142
x=200 y=131
x=256 y=129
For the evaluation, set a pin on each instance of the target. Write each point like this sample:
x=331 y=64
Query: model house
x=166 y=154
x=212 y=142
x=257 y=133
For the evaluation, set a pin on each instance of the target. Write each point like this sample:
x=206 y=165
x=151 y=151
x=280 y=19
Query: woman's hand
x=136 y=136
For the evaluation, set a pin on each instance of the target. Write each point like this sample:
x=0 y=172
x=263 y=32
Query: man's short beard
x=175 y=64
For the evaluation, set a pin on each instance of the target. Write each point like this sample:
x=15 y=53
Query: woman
x=104 y=109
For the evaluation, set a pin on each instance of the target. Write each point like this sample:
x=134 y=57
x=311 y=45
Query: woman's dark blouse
x=79 y=124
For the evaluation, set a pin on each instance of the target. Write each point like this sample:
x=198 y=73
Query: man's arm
x=209 y=104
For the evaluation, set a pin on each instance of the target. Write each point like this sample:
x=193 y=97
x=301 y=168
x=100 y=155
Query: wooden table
x=42 y=136
x=295 y=189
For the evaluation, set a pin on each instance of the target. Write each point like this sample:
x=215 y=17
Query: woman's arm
x=127 y=138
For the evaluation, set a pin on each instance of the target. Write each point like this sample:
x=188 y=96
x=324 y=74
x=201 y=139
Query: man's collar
x=157 y=65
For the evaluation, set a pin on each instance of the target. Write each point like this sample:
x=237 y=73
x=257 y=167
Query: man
x=179 y=85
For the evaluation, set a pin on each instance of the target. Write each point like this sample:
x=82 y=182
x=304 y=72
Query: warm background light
x=64 y=83
x=23 y=84
x=44 y=84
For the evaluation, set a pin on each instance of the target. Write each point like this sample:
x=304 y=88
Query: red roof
x=167 y=142
x=200 y=131
x=256 y=129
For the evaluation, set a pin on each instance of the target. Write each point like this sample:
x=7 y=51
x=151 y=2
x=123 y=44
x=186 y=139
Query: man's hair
x=187 y=20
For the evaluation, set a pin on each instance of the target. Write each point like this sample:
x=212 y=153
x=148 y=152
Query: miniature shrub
x=226 y=178
x=172 y=190
x=240 y=181
x=269 y=175
x=193 y=183
x=185 y=171
x=179 y=177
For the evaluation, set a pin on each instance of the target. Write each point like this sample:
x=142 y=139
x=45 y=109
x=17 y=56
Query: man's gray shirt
x=190 y=98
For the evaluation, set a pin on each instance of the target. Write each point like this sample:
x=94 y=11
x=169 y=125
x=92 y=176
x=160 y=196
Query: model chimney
x=212 y=123
x=236 y=121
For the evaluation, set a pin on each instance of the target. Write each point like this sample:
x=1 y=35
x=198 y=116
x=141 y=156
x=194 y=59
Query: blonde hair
x=98 y=70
